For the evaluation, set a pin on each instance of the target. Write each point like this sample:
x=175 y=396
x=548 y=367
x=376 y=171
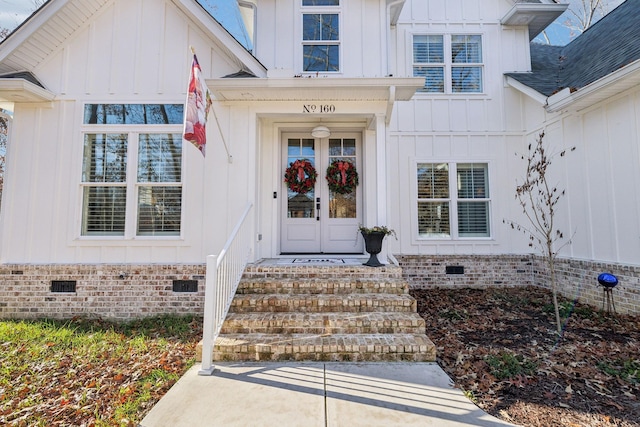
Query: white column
x=381 y=178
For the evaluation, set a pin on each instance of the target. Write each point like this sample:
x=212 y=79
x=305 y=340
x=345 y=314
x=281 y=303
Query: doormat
x=318 y=261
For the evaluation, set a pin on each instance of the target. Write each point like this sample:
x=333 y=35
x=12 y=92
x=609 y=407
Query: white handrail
x=224 y=272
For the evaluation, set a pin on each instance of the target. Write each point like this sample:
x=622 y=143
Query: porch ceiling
x=316 y=89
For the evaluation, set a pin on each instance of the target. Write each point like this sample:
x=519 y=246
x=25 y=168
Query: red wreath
x=342 y=176
x=300 y=176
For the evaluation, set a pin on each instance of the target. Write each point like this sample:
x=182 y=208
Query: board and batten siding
x=602 y=207
x=130 y=52
x=485 y=127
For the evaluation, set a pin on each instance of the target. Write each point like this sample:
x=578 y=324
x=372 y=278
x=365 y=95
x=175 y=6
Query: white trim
x=614 y=81
x=351 y=88
x=20 y=90
x=213 y=27
x=532 y=93
x=448 y=65
x=454 y=236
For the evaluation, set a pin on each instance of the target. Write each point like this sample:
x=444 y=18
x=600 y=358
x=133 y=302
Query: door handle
x=317 y=208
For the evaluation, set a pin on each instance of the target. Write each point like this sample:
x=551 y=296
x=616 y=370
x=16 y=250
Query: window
x=132 y=175
x=453 y=200
x=320 y=36
x=449 y=64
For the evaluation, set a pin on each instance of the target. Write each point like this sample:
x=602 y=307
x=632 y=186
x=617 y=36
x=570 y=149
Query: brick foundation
x=130 y=291
x=424 y=271
x=577 y=278
x=109 y=291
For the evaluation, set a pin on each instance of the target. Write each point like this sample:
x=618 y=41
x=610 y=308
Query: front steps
x=323 y=313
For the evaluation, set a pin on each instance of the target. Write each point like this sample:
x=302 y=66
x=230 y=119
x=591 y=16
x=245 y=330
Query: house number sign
x=319 y=108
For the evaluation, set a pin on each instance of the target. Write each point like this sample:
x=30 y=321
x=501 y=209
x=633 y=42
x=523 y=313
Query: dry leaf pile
x=499 y=345
x=90 y=372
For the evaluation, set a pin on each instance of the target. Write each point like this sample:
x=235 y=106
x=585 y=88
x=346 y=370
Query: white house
x=107 y=211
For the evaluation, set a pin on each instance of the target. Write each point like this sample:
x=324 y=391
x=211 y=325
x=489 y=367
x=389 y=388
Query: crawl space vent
x=455 y=269
x=185 y=286
x=63 y=286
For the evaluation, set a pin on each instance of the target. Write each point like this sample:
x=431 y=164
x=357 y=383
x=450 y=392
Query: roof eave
x=536 y=16
x=208 y=23
x=523 y=88
x=25 y=30
x=23 y=91
x=620 y=80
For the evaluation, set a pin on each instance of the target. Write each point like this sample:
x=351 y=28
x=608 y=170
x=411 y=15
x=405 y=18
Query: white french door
x=320 y=220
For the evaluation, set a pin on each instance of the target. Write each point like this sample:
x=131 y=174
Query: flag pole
x=215 y=116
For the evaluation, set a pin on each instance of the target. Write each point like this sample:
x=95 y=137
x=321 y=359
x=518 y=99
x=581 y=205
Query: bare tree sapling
x=539 y=201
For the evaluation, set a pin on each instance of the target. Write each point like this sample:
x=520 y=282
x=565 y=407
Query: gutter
x=565 y=98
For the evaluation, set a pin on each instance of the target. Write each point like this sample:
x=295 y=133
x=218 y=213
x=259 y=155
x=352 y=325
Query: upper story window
x=320 y=36
x=453 y=200
x=449 y=63
x=132 y=170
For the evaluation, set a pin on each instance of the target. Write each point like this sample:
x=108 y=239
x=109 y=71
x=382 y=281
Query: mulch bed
x=500 y=346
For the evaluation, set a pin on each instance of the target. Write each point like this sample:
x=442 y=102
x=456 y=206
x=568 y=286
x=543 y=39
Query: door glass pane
x=300 y=204
x=342 y=205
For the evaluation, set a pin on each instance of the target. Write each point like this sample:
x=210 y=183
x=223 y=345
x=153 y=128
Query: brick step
x=323 y=323
x=322 y=271
x=337 y=348
x=304 y=303
x=322 y=286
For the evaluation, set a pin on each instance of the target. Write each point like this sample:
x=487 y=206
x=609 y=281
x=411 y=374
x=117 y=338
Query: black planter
x=373 y=246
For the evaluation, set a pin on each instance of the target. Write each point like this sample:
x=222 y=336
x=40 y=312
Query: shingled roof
x=605 y=47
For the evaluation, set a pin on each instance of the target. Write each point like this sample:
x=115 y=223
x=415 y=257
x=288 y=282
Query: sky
x=13 y=12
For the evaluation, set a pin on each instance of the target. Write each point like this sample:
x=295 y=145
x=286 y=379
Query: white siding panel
x=471 y=10
x=405 y=203
x=459 y=147
x=405 y=115
x=424 y=147
x=441 y=116
x=479 y=145
x=453 y=10
x=477 y=114
x=88 y=255
x=577 y=190
x=459 y=120
x=442 y=148
x=425 y=10
x=511 y=109
x=437 y=11
x=423 y=115
x=599 y=183
x=624 y=170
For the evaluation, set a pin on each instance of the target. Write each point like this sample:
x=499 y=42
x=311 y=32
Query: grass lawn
x=90 y=372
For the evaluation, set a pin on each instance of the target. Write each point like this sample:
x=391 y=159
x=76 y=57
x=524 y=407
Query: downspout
x=390 y=66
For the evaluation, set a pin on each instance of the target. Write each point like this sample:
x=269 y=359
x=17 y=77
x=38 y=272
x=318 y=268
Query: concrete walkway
x=317 y=394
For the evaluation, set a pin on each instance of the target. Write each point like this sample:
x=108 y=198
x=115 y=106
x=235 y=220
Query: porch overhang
x=318 y=88
x=304 y=89
x=536 y=16
x=21 y=91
